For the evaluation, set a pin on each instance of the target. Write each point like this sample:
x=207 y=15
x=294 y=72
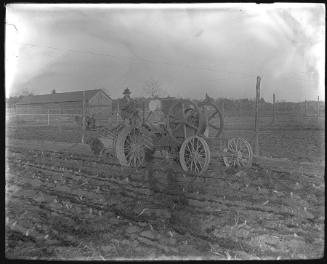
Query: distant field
x=231 y=121
x=281 y=122
x=305 y=144
x=291 y=136
x=71 y=134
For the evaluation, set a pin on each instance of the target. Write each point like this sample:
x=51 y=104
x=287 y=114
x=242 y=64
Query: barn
x=96 y=102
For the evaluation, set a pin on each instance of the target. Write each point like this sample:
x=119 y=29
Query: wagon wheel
x=238 y=153
x=130 y=147
x=184 y=119
x=194 y=155
x=214 y=118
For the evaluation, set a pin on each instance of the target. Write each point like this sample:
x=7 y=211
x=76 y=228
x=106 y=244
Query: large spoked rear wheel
x=130 y=147
x=238 y=153
x=214 y=119
x=194 y=155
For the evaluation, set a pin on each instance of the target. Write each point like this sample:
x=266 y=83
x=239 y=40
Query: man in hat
x=127 y=94
x=128 y=107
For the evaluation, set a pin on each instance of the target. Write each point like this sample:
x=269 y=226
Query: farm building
x=11 y=104
x=97 y=102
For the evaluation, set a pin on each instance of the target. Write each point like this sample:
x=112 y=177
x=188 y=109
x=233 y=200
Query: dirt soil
x=72 y=205
x=71 y=134
x=295 y=145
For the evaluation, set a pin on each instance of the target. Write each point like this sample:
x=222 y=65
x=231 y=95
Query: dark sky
x=187 y=50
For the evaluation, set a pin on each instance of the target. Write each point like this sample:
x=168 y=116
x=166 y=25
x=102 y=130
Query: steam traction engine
x=177 y=127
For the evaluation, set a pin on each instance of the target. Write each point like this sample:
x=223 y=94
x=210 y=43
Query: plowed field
x=63 y=203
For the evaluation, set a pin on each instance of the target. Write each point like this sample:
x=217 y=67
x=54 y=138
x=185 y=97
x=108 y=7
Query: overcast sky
x=189 y=50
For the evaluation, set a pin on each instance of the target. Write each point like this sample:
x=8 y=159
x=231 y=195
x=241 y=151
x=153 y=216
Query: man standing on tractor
x=129 y=111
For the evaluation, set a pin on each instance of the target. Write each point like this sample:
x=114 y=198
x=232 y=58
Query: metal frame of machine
x=184 y=135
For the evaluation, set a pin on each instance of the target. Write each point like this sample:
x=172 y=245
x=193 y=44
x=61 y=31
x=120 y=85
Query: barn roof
x=58 y=97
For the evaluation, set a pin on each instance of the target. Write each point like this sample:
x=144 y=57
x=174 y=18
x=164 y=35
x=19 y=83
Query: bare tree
x=153 y=87
x=25 y=92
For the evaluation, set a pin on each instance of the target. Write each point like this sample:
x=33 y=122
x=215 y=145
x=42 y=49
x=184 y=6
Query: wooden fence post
x=274 y=114
x=223 y=109
x=256 y=125
x=143 y=112
x=305 y=108
x=256 y=144
x=83 y=118
x=257 y=98
x=48 y=117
